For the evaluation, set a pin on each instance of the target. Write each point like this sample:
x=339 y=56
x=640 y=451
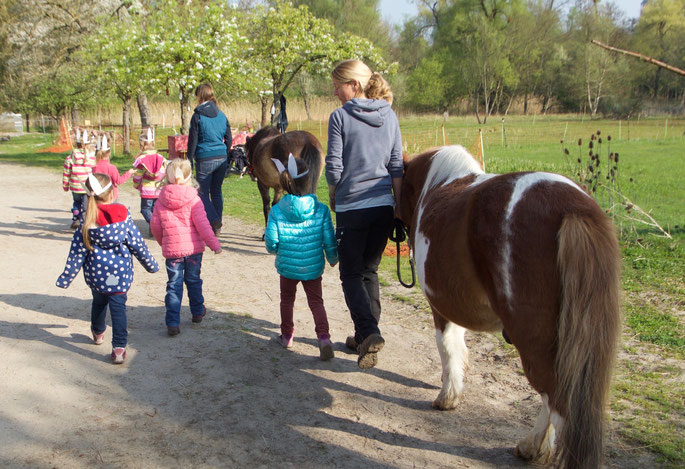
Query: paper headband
x=85 y=137
x=149 y=136
x=177 y=175
x=78 y=136
x=292 y=167
x=102 y=143
x=96 y=186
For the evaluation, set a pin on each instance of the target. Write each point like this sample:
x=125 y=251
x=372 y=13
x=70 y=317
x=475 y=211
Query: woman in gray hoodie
x=364 y=174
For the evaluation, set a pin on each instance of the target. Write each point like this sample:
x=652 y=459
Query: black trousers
x=362 y=236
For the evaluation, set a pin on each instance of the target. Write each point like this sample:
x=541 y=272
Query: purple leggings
x=312 y=289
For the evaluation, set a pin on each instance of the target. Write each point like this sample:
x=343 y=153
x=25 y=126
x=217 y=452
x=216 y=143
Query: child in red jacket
x=179 y=224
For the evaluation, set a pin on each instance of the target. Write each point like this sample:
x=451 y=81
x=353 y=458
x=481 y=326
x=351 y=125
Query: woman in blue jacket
x=300 y=232
x=208 y=143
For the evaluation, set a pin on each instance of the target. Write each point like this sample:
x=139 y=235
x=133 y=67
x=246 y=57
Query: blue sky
x=396 y=10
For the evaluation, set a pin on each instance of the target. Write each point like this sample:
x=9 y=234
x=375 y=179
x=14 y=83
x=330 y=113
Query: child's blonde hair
x=372 y=84
x=179 y=170
x=92 y=208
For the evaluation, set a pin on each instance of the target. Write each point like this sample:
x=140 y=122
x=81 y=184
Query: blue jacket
x=210 y=133
x=108 y=268
x=299 y=231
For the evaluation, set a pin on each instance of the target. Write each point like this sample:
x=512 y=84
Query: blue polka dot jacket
x=108 y=268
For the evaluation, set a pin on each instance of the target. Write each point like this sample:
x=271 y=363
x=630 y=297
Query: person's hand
x=398 y=232
x=132 y=170
x=66 y=189
x=218 y=251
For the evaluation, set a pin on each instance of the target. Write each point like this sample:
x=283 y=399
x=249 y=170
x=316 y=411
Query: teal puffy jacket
x=299 y=232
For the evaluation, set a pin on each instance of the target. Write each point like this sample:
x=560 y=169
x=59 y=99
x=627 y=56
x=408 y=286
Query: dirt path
x=223 y=393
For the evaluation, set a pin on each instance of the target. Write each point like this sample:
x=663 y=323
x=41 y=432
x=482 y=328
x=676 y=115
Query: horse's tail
x=589 y=325
x=310 y=154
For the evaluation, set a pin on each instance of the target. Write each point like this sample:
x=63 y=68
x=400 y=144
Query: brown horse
x=269 y=143
x=530 y=254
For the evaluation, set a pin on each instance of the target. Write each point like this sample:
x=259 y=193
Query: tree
x=287 y=40
x=191 y=43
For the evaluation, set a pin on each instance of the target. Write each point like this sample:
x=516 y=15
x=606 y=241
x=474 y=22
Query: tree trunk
x=525 y=104
x=144 y=110
x=127 y=122
x=475 y=103
x=305 y=99
x=185 y=107
x=28 y=123
x=275 y=106
x=75 y=119
x=264 y=100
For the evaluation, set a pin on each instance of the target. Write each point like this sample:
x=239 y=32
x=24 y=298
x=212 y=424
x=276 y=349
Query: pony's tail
x=312 y=157
x=589 y=324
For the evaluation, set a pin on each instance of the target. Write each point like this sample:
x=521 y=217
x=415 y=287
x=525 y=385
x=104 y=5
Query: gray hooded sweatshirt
x=364 y=154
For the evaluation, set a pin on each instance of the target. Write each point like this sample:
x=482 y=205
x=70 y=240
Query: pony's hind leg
x=539 y=445
x=454 y=358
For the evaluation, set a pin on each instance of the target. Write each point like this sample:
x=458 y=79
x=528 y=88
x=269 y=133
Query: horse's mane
x=449 y=164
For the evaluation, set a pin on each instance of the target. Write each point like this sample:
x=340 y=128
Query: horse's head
x=252 y=142
x=429 y=169
x=415 y=170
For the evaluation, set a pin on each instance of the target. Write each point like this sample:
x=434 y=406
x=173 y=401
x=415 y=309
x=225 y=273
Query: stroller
x=237 y=161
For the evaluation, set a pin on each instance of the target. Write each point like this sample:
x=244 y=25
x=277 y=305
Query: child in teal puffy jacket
x=300 y=232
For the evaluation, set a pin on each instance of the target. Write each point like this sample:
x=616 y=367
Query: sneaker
x=173 y=330
x=118 y=355
x=97 y=338
x=368 y=351
x=325 y=349
x=198 y=318
x=351 y=343
x=285 y=341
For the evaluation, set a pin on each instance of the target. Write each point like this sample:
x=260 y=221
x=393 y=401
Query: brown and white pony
x=269 y=143
x=530 y=254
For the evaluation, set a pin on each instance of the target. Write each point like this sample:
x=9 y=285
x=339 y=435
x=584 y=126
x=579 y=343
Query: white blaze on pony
x=530 y=254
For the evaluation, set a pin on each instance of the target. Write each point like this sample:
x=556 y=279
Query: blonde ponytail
x=378 y=88
x=92 y=207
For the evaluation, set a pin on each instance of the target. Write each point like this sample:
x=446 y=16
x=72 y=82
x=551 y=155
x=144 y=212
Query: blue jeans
x=79 y=206
x=147 y=206
x=117 y=310
x=210 y=175
x=183 y=269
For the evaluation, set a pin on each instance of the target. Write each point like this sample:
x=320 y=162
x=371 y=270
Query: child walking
x=300 y=232
x=103 y=166
x=103 y=247
x=150 y=169
x=180 y=226
x=77 y=166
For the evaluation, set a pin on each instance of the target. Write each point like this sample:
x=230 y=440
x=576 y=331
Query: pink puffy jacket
x=179 y=223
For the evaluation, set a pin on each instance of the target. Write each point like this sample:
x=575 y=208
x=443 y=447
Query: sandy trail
x=223 y=393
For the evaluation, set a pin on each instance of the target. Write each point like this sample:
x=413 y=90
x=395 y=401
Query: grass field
x=648 y=404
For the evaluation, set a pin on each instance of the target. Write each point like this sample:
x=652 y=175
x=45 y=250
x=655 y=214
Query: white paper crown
x=103 y=144
x=78 y=136
x=292 y=167
x=150 y=135
x=96 y=186
x=85 y=136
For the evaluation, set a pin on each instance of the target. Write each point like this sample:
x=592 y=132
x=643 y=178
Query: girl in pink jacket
x=179 y=224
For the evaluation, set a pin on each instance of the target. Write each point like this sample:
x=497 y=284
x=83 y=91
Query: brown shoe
x=199 y=317
x=173 y=330
x=368 y=351
x=352 y=344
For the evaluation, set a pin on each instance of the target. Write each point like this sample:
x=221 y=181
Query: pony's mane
x=449 y=164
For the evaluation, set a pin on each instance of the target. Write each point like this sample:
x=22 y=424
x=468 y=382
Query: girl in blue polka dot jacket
x=103 y=246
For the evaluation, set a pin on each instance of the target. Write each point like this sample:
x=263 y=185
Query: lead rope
x=397 y=241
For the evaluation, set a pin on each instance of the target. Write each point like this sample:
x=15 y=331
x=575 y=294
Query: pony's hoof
x=442 y=403
x=527 y=451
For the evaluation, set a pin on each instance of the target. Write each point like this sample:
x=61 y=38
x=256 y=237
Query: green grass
x=648 y=406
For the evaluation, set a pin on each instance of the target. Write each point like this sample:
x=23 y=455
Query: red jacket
x=179 y=223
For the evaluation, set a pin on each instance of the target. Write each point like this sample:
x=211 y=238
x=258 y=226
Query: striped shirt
x=77 y=166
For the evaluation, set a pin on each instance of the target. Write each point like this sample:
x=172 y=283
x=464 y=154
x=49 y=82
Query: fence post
x=619 y=130
x=444 y=140
x=666 y=129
